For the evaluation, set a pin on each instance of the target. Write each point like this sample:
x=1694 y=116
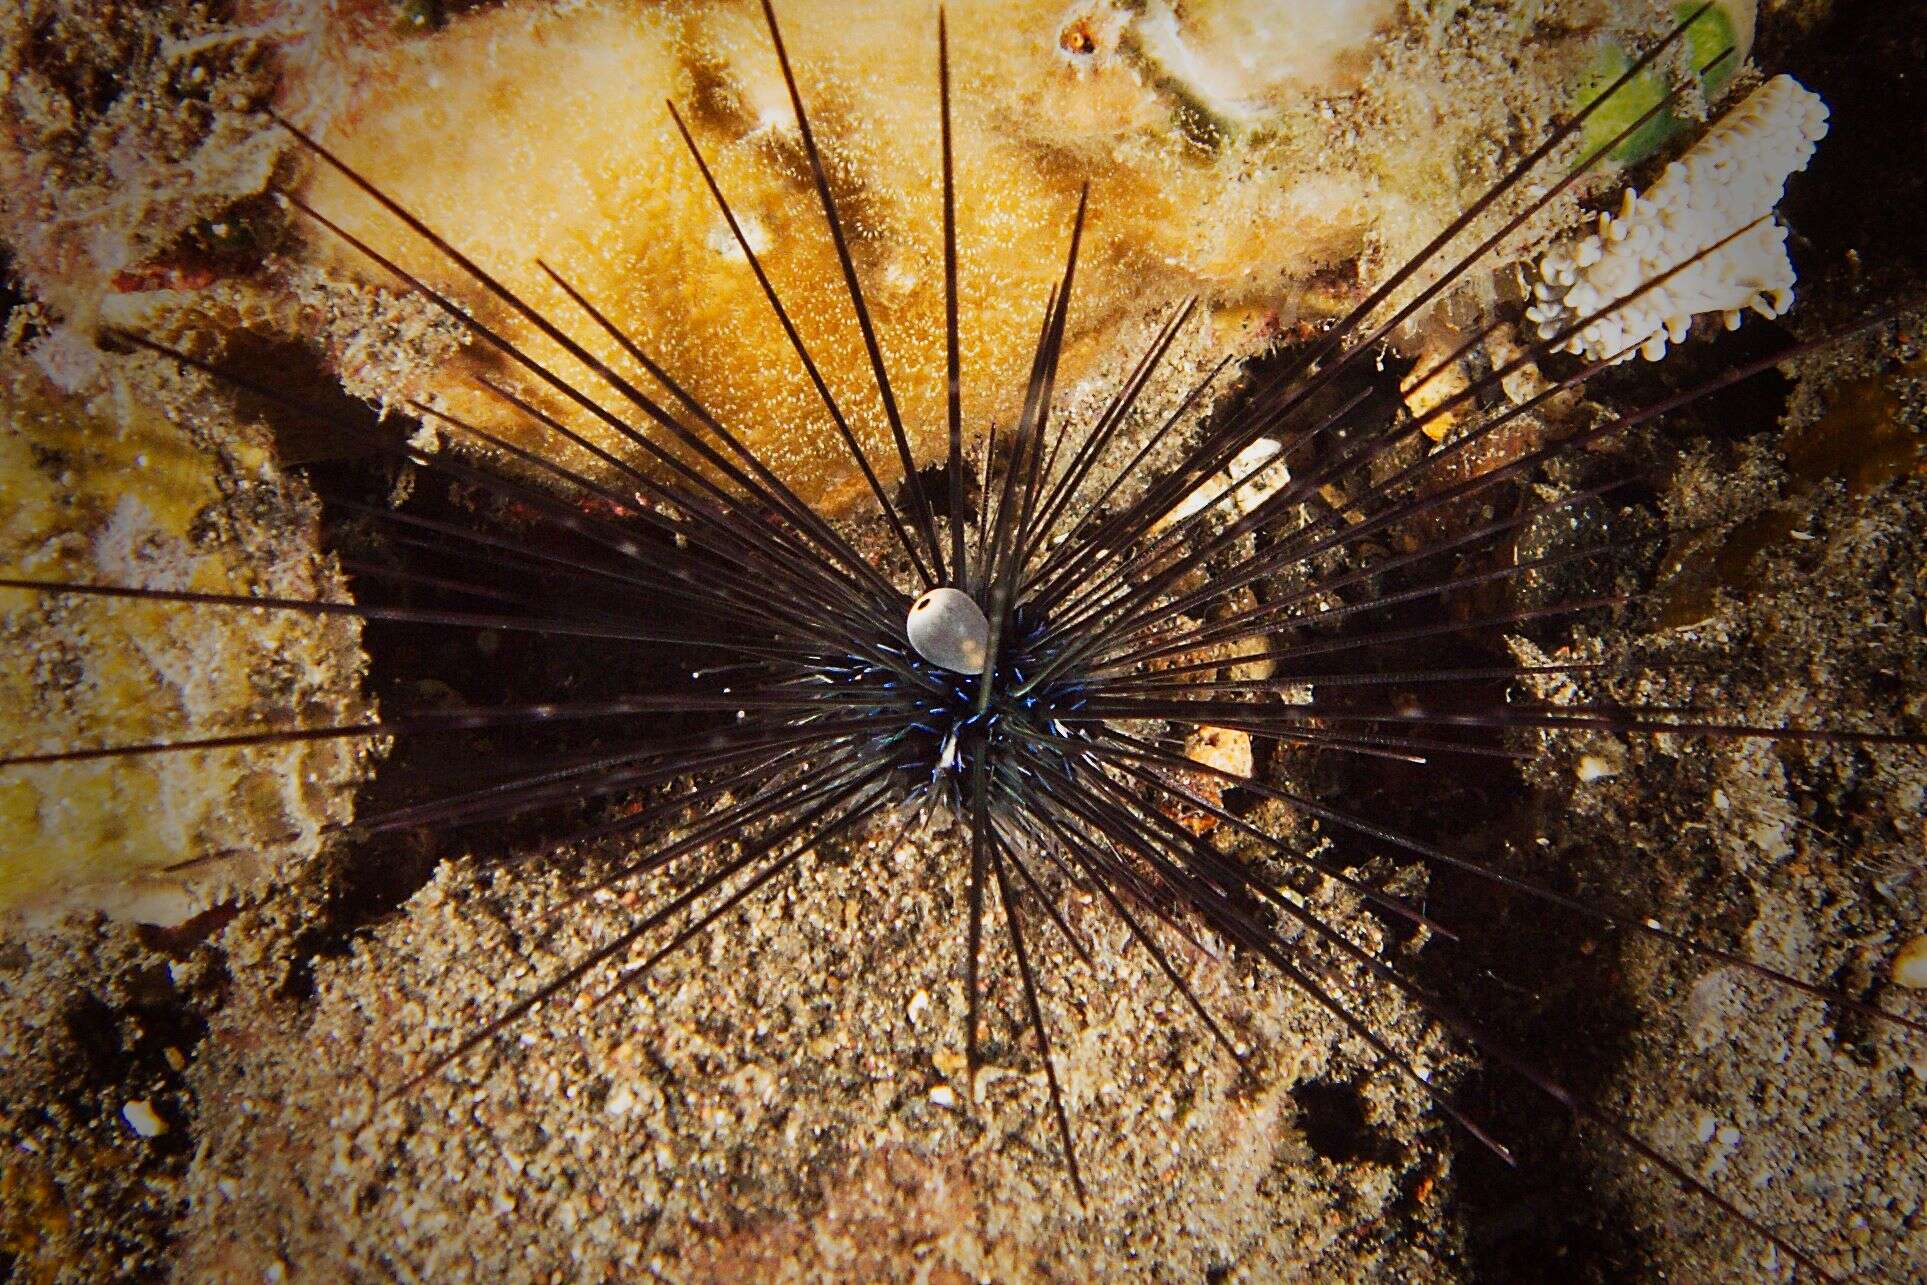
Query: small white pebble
x=620 y=1100
x=1594 y=767
x=943 y=1096
x=919 y=1005
x=1910 y=965
x=143 y=1119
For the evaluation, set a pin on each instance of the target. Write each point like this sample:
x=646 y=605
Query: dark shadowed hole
x=11 y=296
x=179 y=941
x=95 y=1032
x=317 y=423
x=1333 y=1119
x=1733 y=414
x=935 y=479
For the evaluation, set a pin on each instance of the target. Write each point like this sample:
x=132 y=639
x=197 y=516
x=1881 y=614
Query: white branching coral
x=1730 y=179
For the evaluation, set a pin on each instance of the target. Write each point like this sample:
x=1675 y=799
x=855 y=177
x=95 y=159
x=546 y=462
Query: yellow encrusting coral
x=531 y=136
x=119 y=494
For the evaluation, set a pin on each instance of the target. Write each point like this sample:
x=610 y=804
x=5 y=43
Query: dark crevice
x=125 y=1051
x=935 y=480
x=313 y=421
x=1334 y=1121
x=11 y=295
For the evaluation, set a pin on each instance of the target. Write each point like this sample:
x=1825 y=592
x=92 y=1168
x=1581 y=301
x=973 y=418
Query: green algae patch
x=1714 y=44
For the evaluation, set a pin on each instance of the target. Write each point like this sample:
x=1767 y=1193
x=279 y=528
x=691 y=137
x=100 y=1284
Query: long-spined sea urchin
x=817 y=712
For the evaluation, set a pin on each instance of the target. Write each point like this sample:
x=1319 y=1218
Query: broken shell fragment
x=949 y=630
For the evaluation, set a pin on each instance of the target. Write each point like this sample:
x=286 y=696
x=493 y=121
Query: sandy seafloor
x=785 y=1100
